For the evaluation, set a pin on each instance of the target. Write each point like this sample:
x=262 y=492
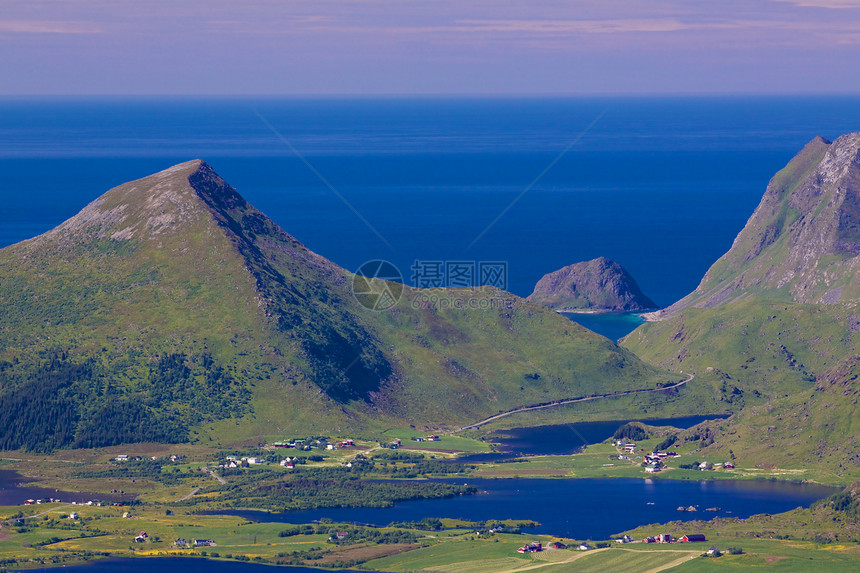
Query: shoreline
x=592 y=311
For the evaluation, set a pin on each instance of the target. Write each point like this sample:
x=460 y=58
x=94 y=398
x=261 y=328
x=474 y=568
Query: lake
x=570 y=438
x=15 y=491
x=564 y=439
x=575 y=508
x=581 y=508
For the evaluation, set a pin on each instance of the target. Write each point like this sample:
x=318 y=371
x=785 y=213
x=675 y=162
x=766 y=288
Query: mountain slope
x=598 y=284
x=780 y=305
x=816 y=428
x=773 y=325
x=803 y=240
x=170 y=309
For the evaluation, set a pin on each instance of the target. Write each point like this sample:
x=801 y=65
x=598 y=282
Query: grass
x=788 y=366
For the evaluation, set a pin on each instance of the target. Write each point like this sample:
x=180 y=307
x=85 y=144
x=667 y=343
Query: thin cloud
x=572 y=26
x=47 y=27
x=832 y=4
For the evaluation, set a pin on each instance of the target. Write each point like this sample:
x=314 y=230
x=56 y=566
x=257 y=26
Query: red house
x=693 y=537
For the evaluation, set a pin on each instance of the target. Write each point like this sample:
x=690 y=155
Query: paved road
x=221 y=480
x=48 y=511
x=196 y=489
x=572 y=400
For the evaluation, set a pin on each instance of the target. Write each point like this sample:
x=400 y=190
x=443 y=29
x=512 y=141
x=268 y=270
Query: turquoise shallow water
x=612 y=325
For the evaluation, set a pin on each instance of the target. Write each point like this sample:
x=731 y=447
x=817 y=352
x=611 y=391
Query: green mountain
x=598 y=284
x=773 y=325
x=169 y=309
x=781 y=305
x=803 y=240
x=812 y=429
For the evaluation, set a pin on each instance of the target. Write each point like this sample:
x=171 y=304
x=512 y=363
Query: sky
x=428 y=47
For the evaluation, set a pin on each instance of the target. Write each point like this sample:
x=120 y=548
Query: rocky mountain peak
x=802 y=243
x=147 y=207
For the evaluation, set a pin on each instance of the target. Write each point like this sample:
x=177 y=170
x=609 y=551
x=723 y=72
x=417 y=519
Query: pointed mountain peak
x=157 y=205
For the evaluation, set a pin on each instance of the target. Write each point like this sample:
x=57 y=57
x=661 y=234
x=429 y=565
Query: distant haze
x=428 y=47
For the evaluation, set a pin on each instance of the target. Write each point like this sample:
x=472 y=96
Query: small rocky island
x=597 y=285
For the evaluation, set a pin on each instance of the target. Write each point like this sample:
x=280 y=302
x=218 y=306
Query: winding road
x=196 y=489
x=221 y=480
x=573 y=400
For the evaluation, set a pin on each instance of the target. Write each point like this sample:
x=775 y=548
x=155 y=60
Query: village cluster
x=655 y=462
x=307 y=445
x=186 y=543
x=127 y=458
x=289 y=462
x=536 y=546
x=585 y=546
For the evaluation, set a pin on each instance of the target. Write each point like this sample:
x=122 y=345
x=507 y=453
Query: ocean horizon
x=661 y=185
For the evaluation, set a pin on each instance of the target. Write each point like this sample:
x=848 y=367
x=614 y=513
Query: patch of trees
x=845 y=503
x=56 y=401
x=127 y=421
x=154 y=470
x=410 y=466
x=426 y=524
x=38 y=408
x=311 y=493
x=666 y=444
x=353 y=534
x=632 y=431
x=196 y=385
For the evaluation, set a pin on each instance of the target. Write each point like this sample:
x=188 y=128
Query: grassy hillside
x=816 y=428
x=763 y=348
x=170 y=309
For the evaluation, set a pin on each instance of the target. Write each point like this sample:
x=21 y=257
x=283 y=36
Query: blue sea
x=661 y=185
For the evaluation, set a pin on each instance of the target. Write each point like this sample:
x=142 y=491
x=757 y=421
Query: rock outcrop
x=599 y=284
